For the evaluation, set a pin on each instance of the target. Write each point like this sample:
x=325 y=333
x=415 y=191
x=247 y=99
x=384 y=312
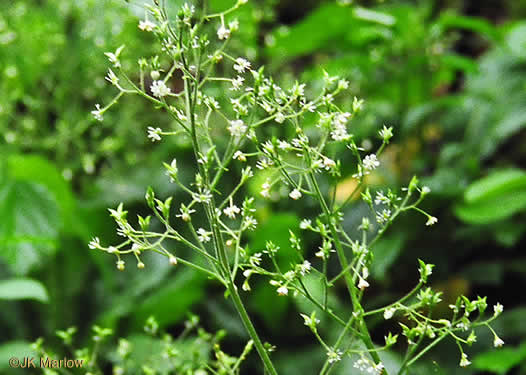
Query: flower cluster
x=298 y=162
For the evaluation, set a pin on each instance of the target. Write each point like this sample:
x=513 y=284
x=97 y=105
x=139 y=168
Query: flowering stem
x=365 y=336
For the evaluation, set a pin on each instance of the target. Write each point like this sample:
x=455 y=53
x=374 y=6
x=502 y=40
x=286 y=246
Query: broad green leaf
x=495 y=197
x=292 y=42
x=39 y=170
x=386 y=251
x=516 y=40
x=477 y=25
x=18 y=349
x=170 y=302
x=29 y=227
x=500 y=361
x=276 y=229
x=16 y=289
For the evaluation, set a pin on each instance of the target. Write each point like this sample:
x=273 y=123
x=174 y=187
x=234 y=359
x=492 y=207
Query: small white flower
x=120 y=265
x=309 y=321
x=295 y=194
x=237 y=83
x=237 y=128
x=203 y=235
x=362 y=284
x=159 y=89
x=94 y=243
x=146 y=25
x=497 y=309
x=388 y=313
x=426 y=190
x=231 y=211
x=305 y=224
x=498 y=342
x=431 y=220
x=154 y=133
x=140 y=265
x=240 y=156
x=334 y=355
x=370 y=162
x=241 y=65
x=173 y=260
x=280 y=118
x=112 y=78
x=386 y=134
x=305 y=268
x=223 y=33
x=97 y=113
x=464 y=362
x=381 y=199
x=328 y=163
x=283 y=291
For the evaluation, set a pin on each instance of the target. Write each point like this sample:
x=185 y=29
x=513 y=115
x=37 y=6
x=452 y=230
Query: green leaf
x=10 y=349
x=386 y=251
x=171 y=302
x=495 y=197
x=500 y=361
x=477 y=25
x=292 y=42
x=276 y=229
x=29 y=227
x=16 y=289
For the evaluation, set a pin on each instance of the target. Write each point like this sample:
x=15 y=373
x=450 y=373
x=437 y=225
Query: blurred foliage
x=459 y=117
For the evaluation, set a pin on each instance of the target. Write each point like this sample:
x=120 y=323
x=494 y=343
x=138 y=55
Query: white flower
x=362 y=284
x=241 y=65
x=328 y=163
x=370 y=162
x=284 y=145
x=114 y=57
x=280 y=117
x=237 y=83
x=310 y=321
x=464 y=362
x=339 y=132
x=97 y=113
x=426 y=190
x=386 y=134
x=265 y=190
x=295 y=194
x=112 y=78
x=334 y=355
x=498 y=342
x=159 y=89
x=231 y=211
x=203 y=235
x=237 y=128
x=283 y=291
x=343 y=84
x=306 y=224
x=120 y=265
x=497 y=309
x=388 y=313
x=94 y=243
x=223 y=33
x=431 y=220
x=154 y=133
x=146 y=25
x=173 y=260
x=305 y=268
x=381 y=199
x=368 y=366
x=239 y=156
